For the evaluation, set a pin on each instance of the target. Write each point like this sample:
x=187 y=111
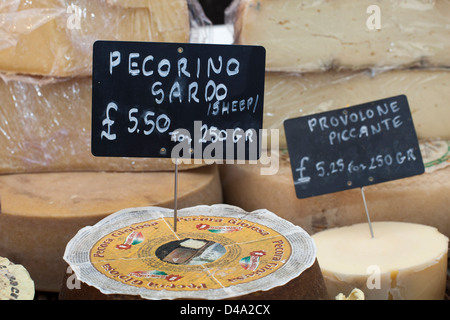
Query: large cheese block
x=290 y=95
x=41 y=212
x=420 y=199
x=305 y=36
x=45 y=125
x=55 y=38
x=15 y=281
x=403 y=261
x=216 y=252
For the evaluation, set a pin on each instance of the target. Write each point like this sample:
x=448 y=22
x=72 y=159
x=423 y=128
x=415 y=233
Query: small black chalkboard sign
x=177 y=100
x=353 y=147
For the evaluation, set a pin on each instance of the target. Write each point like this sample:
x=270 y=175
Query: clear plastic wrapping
x=55 y=37
x=318 y=35
x=290 y=95
x=45 y=125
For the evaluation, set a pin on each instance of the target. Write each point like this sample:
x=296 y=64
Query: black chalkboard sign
x=177 y=100
x=353 y=147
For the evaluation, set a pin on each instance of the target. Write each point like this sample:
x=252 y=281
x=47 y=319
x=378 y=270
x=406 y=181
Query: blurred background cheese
x=55 y=37
x=15 y=281
x=45 y=125
x=422 y=199
x=316 y=35
x=403 y=261
x=291 y=95
x=41 y=212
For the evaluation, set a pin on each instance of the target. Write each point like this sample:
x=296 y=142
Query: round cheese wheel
x=216 y=252
x=419 y=199
x=41 y=212
x=15 y=281
x=403 y=261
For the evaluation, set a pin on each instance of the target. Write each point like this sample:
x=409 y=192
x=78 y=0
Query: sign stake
x=367 y=211
x=175 y=197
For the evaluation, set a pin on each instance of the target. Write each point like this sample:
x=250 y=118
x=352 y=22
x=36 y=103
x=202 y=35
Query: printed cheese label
x=205 y=253
x=217 y=252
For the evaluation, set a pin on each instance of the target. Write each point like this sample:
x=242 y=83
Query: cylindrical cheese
x=403 y=261
x=45 y=125
x=42 y=211
x=311 y=36
x=15 y=281
x=55 y=37
x=291 y=95
x=216 y=252
x=420 y=199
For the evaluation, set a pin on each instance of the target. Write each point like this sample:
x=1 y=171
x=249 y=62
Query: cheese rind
x=384 y=267
x=45 y=126
x=310 y=36
x=419 y=199
x=42 y=211
x=290 y=95
x=69 y=28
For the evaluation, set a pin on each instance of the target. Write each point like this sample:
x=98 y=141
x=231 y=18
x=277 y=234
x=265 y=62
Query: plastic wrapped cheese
x=290 y=95
x=403 y=261
x=317 y=35
x=55 y=37
x=40 y=212
x=45 y=125
x=420 y=199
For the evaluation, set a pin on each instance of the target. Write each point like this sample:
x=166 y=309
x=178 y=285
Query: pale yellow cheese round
x=15 y=281
x=42 y=211
x=402 y=260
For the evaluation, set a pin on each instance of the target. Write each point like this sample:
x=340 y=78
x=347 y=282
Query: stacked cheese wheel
x=216 y=252
x=326 y=55
x=51 y=185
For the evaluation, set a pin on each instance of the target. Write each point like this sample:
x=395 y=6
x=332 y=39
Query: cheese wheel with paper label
x=41 y=212
x=217 y=252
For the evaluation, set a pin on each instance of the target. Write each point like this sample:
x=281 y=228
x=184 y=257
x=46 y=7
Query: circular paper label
x=210 y=255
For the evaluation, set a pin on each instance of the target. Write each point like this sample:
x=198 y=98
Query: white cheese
x=403 y=261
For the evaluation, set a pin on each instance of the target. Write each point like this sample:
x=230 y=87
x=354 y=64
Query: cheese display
x=45 y=125
x=290 y=95
x=403 y=261
x=217 y=252
x=421 y=199
x=310 y=36
x=15 y=281
x=69 y=28
x=41 y=212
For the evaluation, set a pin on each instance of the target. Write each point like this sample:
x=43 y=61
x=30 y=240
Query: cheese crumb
x=356 y=294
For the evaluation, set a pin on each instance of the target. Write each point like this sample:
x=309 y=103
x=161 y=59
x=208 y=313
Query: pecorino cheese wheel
x=216 y=252
x=41 y=212
x=15 y=281
x=420 y=199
